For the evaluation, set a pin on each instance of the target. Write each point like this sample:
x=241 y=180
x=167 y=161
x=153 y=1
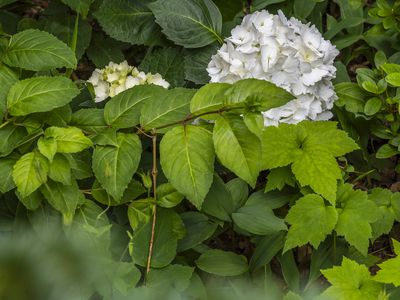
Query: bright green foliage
x=60 y=169
x=222 y=263
x=48 y=147
x=123 y=110
x=38 y=51
x=356 y=213
x=351 y=281
x=192 y=24
x=140 y=212
x=114 y=166
x=128 y=21
x=311 y=148
x=6 y=170
x=311 y=221
x=168 y=196
x=389 y=272
x=237 y=148
x=30 y=172
x=278 y=178
x=7 y=79
x=40 y=94
x=187 y=159
x=389 y=210
x=209 y=98
x=69 y=140
x=165 y=109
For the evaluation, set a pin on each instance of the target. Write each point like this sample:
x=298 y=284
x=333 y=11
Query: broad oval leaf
x=69 y=140
x=209 y=98
x=123 y=110
x=37 y=50
x=40 y=94
x=114 y=166
x=187 y=159
x=167 y=108
x=30 y=172
x=189 y=23
x=128 y=21
x=238 y=148
x=222 y=263
x=89 y=120
x=7 y=79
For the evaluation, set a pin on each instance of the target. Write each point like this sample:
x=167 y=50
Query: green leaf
x=60 y=170
x=140 y=212
x=169 y=228
x=218 y=202
x=172 y=106
x=393 y=79
x=255 y=92
x=37 y=50
x=351 y=96
x=386 y=151
x=198 y=229
x=128 y=21
x=168 y=196
x=80 y=6
x=312 y=148
x=134 y=190
x=311 y=221
x=239 y=191
x=187 y=159
x=30 y=172
x=7 y=79
x=115 y=166
x=89 y=119
x=64 y=198
x=303 y=8
x=172 y=277
x=266 y=249
x=350 y=281
x=389 y=269
x=69 y=139
x=6 y=170
x=104 y=49
x=168 y=62
x=31 y=202
x=196 y=62
x=237 y=148
x=278 y=178
x=209 y=97
x=123 y=110
x=372 y=106
x=258 y=218
x=10 y=137
x=222 y=263
x=356 y=213
x=40 y=94
x=189 y=23
x=254 y=122
x=389 y=210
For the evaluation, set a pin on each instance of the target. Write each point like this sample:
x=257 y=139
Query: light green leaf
x=7 y=79
x=80 y=6
x=172 y=106
x=209 y=97
x=351 y=96
x=48 y=147
x=128 y=21
x=172 y=277
x=237 y=148
x=31 y=202
x=198 y=229
x=40 y=94
x=37 y=50
x=60 y=170
x=140 y=212
x=393 y=79
x=222 y=263
x=189 y=23
x=372 y=106
x=386 y=151
x=168 y=196
x=115 y=166
x=278 y=178
x=89 y=119
x=64 y=198
x=123 y=110
x=350 y=281
x=389 y=269
x=258 y=218
x=30 y=172
x=69 y=139
x=311 y=221
x=169 y=228
x=6 y=170
x=312 y=148
x=356 y=213
x=187 y=159
x=168 y=62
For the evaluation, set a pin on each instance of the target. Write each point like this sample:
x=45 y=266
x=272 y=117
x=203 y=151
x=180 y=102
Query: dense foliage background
x=129 y=198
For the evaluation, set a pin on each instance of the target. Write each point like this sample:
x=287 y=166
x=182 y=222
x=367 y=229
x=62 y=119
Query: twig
x=153 y=225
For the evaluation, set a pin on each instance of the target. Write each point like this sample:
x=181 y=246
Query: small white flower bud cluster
x=288 y=53
x=116 y=78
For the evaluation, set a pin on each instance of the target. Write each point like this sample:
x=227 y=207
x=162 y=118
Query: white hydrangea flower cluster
x=288 y=53
x=116 y=78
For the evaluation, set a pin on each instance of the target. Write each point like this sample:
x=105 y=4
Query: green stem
x=74 y=42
